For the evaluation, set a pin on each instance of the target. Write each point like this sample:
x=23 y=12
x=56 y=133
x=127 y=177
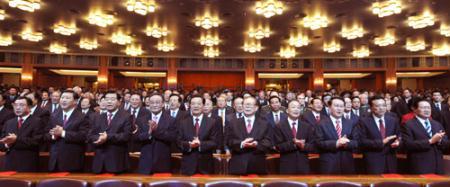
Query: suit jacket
x=355 y=118
x=228 y=110
x=269 y=117
x=10 y=100
x=52 y=108
x=23 y=155
x=135 y=144
x=155 y=147
x=248 y=160
x=292 y=159
x=197 y=160
x=5 y=115
x=401 y=107
x=378 y=157
x=437 y=114
x=67 y=154
x=308 y=116
x=46 y=106
x=423 y=157
x=335 y=160
x=264 y=110
x=111 y=156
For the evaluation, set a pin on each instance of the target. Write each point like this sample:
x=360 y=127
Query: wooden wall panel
x=211 y=80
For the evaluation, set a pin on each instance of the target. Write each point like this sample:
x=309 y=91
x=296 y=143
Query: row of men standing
x=199 y=135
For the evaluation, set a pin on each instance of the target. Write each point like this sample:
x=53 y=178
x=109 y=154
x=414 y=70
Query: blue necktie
x=428 y=128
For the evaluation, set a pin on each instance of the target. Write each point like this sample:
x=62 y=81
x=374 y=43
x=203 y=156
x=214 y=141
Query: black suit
x=437 y=114
x=155 y=147
x=309 y=117
x=5 y=115
x=292 y=159
x=335 y=160
x=46 y=106
x=111 y=156
x=378 y=157
x=54 y=108
x=197 y=160
x=423 y=157
x=10 y=100
x=134 y=144
x=401 y=107
x=67 y=154
x=248 y=160
x=23 y=155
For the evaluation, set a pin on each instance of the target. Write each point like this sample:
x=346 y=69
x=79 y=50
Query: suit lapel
x=422 y=128
x=374 y=128
x=203 y=127
x=330 y=126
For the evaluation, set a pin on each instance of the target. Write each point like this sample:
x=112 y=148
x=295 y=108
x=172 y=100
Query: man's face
x=379 y=107
x=406 y=93
x=67 y=101
x=156 y=104
x=337 y=108
x=174 y=102
x=135 y=101
x=33 y=99
x=221 y=102
x=21 y=107
x=437 y=97
x=293 y=110
x=167 y=95
x=45 y=96
x=112 y=103
x=85 y=104
x=239 y=105
x=55 y=97
x=208 y=106
x=196 y=106
x=356 y=103
x=364 y=99
x=301 y=100
x=275 y=104
x=326 y=99
x=348 y=104
x=317 y=105
x=12 y=91
x=250 y=106
x=423 y=109
x=127 y=97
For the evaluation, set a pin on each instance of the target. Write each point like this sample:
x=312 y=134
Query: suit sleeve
x=265 y=143
x=27 y=142
x=95 y=129
x=211 y=143
x=365 y=142
x=78 y=135
x=234 y=141
x=322 y=143
x=411 y=144
x=167 y=135
x=311 y=140
x=284 y=145
x=121 y=136
x=182 y=141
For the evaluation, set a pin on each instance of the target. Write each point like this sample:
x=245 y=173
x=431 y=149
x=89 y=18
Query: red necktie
x=109 y=118
x=20 y=122
x=197 y=127
x=338 y=128
x=317 y=118
x=294 y=131
x=249 y=126
x=382 y=129
x=65 y=120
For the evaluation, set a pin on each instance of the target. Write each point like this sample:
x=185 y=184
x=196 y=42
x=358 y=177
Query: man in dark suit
x=56 y=96
x=364 y=109
x=314 y=116
x=197 y=139
x=20 y=138
x=275 y=115
x=175 y=102
x=401 y=107
x=438 y=107
x=5 y=113
x=137 y=111
x=110 y=135
x=67 y=133
x=42 y=114
x=262 y=98
x=336 y=141
x=13 y=93
x=156 y=132
x=222 y=110
x=424 y=140
x=379 y=138
x=326 y=108
x=249 y=139
x=294 y=138
x=348 y=114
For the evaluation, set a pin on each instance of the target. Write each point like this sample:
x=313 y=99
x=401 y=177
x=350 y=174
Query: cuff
x=63 y=134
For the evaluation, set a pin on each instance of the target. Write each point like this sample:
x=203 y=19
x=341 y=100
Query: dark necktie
x=294 y=131
x=197 y=127
x=20 y=122
x=382 y=129
x=64 y=120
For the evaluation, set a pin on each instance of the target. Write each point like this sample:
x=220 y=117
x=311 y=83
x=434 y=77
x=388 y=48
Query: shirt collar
x=252 y=118
x=68 y=113
x=200 y=117
x=24 y=117
x=292 y=121
x=422 y=120
x=1 y=107
x=33 y=109
x=276 y=113
x=113 y=113
x=377 y=119
x=333 y=119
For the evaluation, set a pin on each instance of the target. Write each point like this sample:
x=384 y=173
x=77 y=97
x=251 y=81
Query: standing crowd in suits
x=247 y=125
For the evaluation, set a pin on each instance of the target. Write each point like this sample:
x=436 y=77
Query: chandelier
x=269 y=8
x=209 y=40
x=444 y=30
x=207 y=22
x=352 y=33
x=165 y=46
x=259 y=33
x=156 y=32
x=141 y=7
x=210 y=52
x=385 y=40
x=88 y=45
x=331 y=47
x=133 y=50
x=101 y=20
x=386 y=8
x=287 y=52
x=361 y=53
x=315 y=22
x=6 y=40
x=415 y=46
x=32 y=36
x=2 y=14
x=253 y=46
x=57 y=48
x=64 y=30
x=120 y=38
x=299 y=40
x=441 y=51
x=421 y=21
x=26 y=5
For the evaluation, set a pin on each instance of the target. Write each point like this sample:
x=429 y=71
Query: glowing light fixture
x=142 y=7
x=133 y=50
x=100 y=19
x=6 y=40
x=165 y=46
x=387 y=39
x=2 y=14
x=387 y=8
x=421 y=21
x=287 y=52
x=315 y=22
x=444 y=30
x=252 y=46
x=207 y=21
x=58 y=48
x=209 y=40
x=352 y=33
x=66 y=30
x=415 y=46
x=269 y=8
x=361 y=52
x=88 y=44
x=442 y=50
x=331 y=47
x=156 y=32
x=211 y=52
x=26 y=5
x=32 y=36
x=121 y=38
x=298 y=40
x=259 y=33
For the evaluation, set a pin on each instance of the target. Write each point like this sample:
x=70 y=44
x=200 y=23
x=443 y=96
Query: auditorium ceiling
x=173 y=28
